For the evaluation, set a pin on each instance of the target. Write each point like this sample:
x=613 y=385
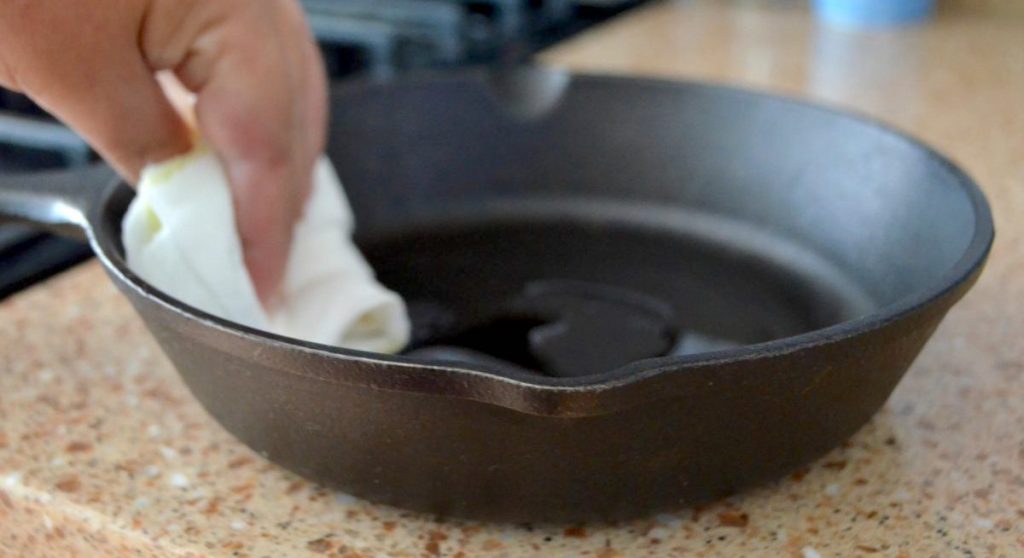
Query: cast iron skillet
x=824 y=248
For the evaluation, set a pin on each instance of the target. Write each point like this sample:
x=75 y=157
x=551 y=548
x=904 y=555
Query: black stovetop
x=29 y=141
x=379 y=37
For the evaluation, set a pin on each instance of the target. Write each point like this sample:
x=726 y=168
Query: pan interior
x=603 y=282
x=578 y=287
x=700 y=217
x=634 y=219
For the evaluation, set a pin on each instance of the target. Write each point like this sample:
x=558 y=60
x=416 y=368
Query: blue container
x=873 y=13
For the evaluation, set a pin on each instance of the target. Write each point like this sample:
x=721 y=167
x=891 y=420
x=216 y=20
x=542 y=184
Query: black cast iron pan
x=754 y=274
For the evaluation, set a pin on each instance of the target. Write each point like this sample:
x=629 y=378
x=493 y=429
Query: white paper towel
x=179 y=235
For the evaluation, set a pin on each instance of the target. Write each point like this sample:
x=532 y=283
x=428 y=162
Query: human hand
x=252 y=65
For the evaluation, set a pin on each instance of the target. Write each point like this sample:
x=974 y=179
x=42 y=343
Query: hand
x=252 y=64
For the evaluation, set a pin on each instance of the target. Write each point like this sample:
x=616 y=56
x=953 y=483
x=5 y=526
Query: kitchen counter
x=103 y=451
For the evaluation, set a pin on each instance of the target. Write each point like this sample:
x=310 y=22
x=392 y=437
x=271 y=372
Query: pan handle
x=57 y=201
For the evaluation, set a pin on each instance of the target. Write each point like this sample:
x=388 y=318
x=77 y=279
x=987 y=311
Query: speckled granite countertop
x=104 y=453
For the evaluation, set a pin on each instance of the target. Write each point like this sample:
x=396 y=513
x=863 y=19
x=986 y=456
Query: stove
x=32 y=140
x=382 y=37
x=375 y=37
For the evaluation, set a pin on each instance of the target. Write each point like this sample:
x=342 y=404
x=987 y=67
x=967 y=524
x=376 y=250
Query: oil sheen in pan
x=727 y=282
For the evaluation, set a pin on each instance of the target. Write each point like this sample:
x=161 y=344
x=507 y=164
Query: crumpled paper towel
x=180 y=236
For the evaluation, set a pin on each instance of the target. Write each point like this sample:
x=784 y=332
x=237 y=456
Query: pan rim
x=525 y=387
